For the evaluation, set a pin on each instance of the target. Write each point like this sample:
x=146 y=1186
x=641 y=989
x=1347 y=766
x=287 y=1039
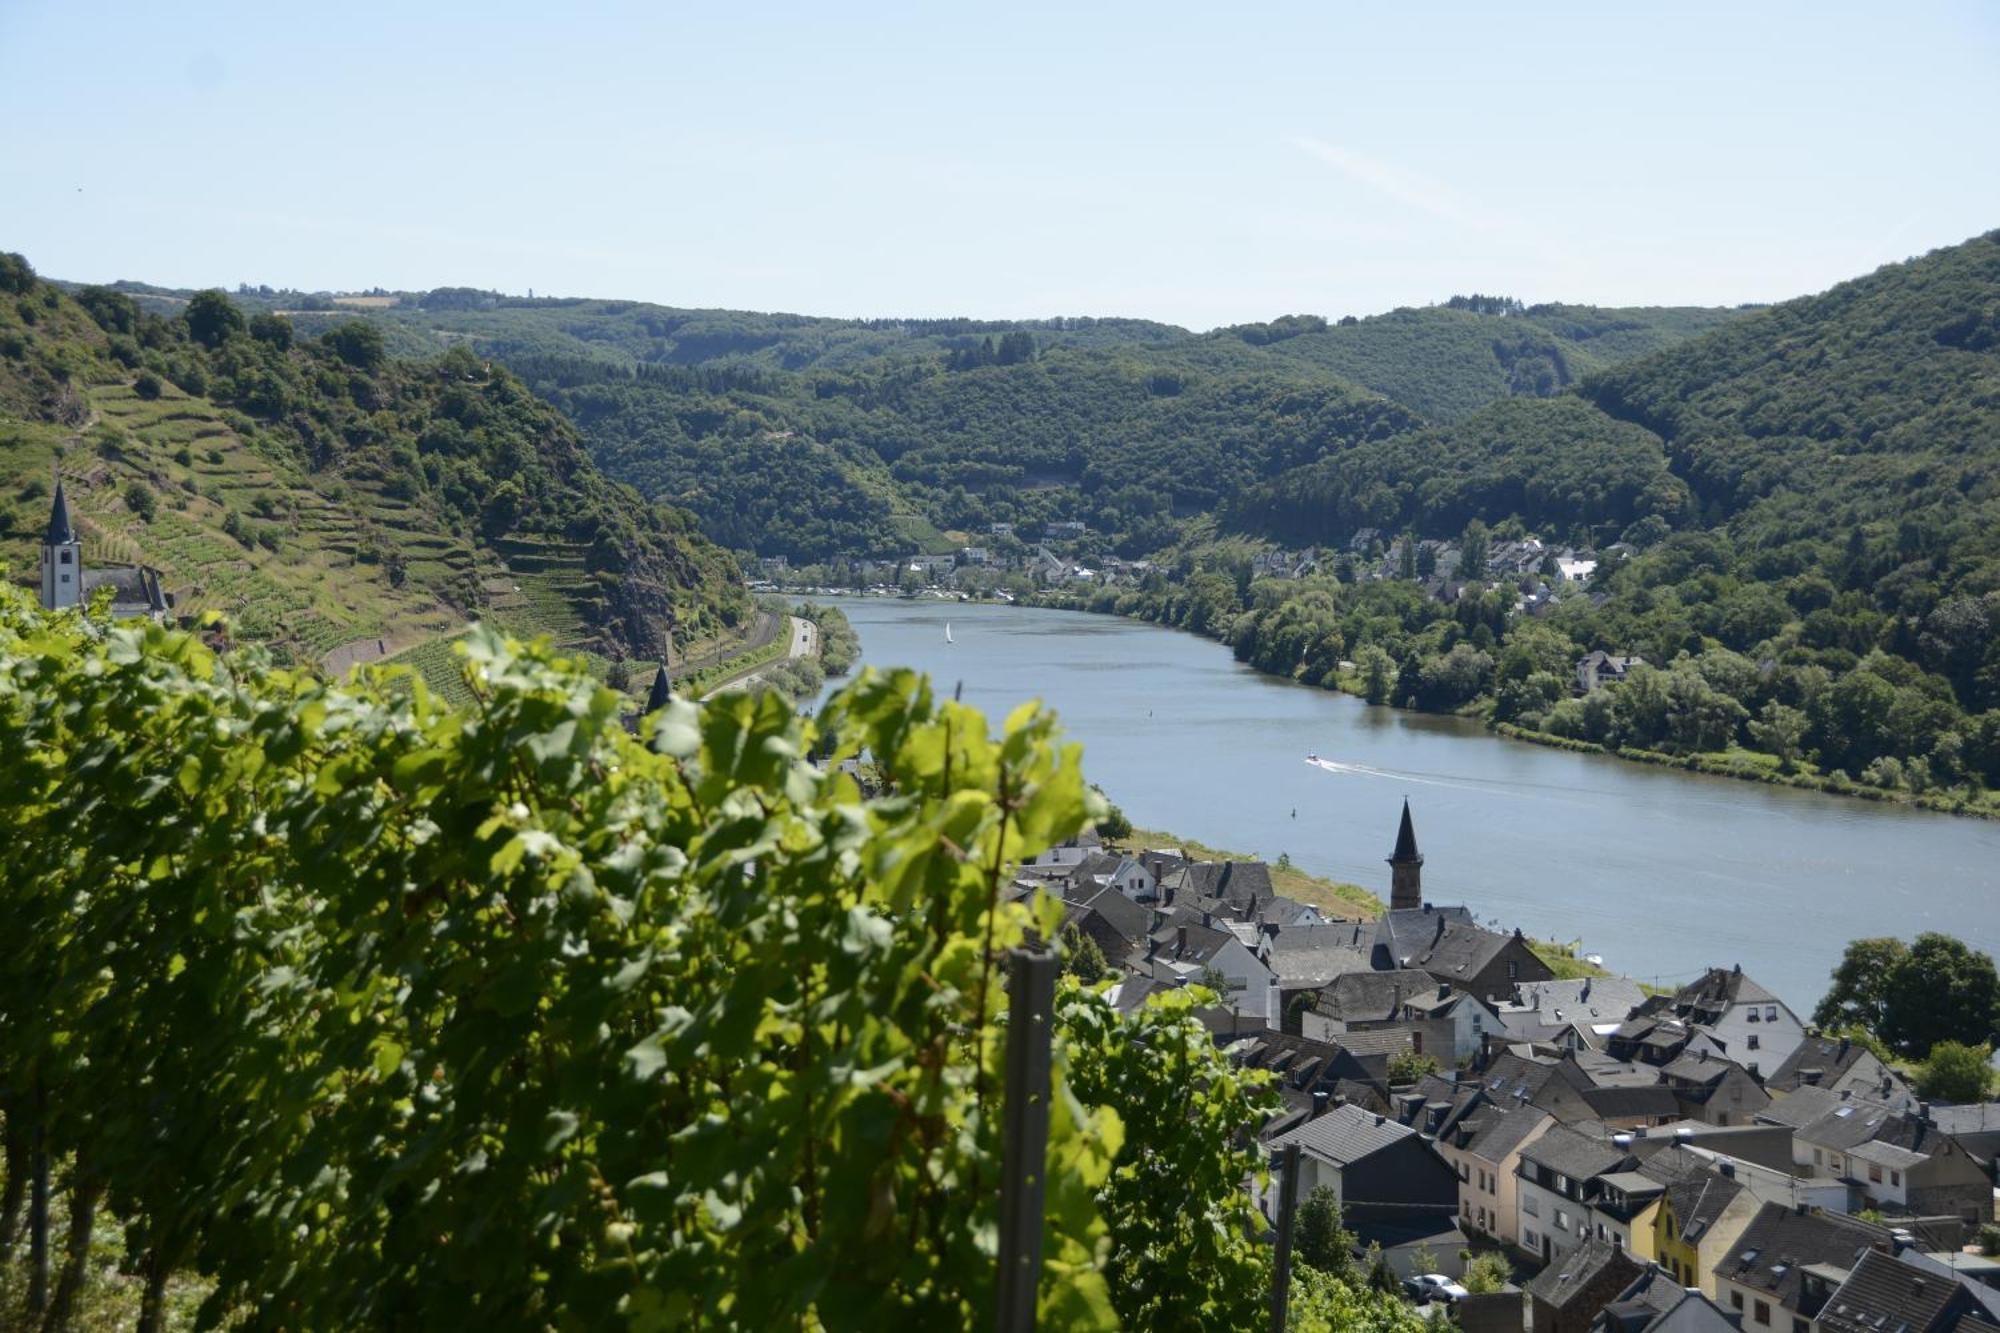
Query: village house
x=1567 y=1295
x=1904 y=1293
x=1764 y=1277
x=1598 y=667
x=1893 y=1160
x=1553 y=1189
x=1375 y=1167
x=1655 y=1303
x=1755 y=1027
x=1713 y=1090
x=1840 y=1065
x=1699 y=1221
x=1484 y=1148
x=1193 y=954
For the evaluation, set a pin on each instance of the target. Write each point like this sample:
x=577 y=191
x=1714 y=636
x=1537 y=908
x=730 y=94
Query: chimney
x=1380 y=1119
x=1728 y=1170
x=1319 y=1102
x=1444 y=990
x=1924 y=1112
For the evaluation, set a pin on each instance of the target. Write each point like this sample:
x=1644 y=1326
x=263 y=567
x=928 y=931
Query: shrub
x=148 y=385
x=140 y=500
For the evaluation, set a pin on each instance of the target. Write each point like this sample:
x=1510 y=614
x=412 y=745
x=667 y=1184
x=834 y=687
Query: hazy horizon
x=1166 y=163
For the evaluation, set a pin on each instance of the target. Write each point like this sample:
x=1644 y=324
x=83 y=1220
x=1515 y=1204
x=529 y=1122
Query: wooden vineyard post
x=1024 y=1135
x=1288 y=1207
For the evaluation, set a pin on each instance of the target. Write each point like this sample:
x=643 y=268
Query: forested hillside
x=819 y=438
x=1813 y=492
x=819 y=465
x=321 y=492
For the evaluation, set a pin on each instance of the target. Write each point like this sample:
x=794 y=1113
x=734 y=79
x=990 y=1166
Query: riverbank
x=1333 y=897
x=1744 y=765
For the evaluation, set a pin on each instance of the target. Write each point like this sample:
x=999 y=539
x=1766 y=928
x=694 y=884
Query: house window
x=1562 y=1220
x=1464 y=1172
x=1562 y=1183
x=1530 y=1206
x=1896 y=1178
x=1530 y=1240
x=1819 y=1157
x=1761 y=1312
x=1874 y=1173
x=1513 y=971
x=1465 y=1208
x=1736 y=1299
x=1753 y=1041
x=1801 y=1325
x=1770 y=1013
x=63 y=559
x=1752 y=1015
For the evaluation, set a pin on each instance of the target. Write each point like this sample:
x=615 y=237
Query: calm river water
x=1660 y=871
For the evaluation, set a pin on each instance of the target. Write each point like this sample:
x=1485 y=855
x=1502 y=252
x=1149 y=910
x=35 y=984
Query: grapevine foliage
x=385 y=1013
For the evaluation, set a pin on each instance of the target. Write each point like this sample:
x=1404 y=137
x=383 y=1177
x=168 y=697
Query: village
x=1636 y=1160
x=1008 y=564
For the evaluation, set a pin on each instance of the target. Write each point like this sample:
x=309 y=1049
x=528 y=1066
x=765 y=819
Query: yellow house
x=1696 y=1224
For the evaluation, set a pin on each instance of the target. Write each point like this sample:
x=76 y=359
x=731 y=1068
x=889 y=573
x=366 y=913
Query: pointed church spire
x=1406 y=839
x=662 y=691
x=60 y=532
x=1406 y=884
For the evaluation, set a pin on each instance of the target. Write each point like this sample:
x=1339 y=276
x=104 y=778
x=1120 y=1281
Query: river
x=1660 y=871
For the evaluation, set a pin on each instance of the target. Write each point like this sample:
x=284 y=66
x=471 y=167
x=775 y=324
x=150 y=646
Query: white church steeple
x=62 y=558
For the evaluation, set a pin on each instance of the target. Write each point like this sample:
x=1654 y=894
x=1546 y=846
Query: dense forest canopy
x=817 y=438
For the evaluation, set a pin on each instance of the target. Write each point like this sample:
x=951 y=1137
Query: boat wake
x=1367 y=771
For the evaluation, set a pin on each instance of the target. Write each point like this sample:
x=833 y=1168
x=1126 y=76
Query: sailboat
x=947 y=633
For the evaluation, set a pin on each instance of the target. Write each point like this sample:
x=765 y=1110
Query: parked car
x=1427 y=1287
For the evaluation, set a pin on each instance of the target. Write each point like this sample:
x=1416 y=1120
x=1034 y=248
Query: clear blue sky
x=1199 y=163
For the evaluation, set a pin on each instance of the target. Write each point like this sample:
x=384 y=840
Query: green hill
x=814 y=438
x=1815 y=492
x=322 y=494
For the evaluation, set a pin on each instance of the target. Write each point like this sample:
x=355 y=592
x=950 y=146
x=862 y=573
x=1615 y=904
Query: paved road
x=805 y=642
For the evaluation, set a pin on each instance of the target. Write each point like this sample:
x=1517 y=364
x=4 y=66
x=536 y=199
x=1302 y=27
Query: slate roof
x=1774 y=1249
x=1377 y=1041
x=135 y=589
x=1577 y=1155
x=1587 y=1000
x=1801 y=1107
x=1443 y=942
x=1406 y=841
x=60 y=531
x=1128 y=918
x=1698 y=1200
x=1237 y=881
x=1573 y=1276
x=1656 y=1301
x=1622 y=1103
x=1372 y=997
x=1194 y=944
x=1496 y=1131
x=1346 y=1134
x=1718 y=988
x=1308 y=957
x=1884 y=1294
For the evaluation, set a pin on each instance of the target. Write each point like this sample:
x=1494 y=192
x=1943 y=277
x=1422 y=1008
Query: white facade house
x=1132 y=879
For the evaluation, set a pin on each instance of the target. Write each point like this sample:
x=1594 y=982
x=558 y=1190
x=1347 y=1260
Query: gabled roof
x=1575 y=1154
x=135 y=589
x=1586 y=1000
x=1574 y=1276
x=1721 y=987
x=1372 y=997
x=1655 y=1303
x=1780 y=1242
x=1346 y=1134
x=1497 y=1131
x=1698 y=1200
x=60 y=531
x=1621 y=1103
x=1882 y=1294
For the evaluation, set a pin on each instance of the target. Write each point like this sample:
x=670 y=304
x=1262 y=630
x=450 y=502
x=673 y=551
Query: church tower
x=662 y=693
x=1406 y=868
x=62 y=558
